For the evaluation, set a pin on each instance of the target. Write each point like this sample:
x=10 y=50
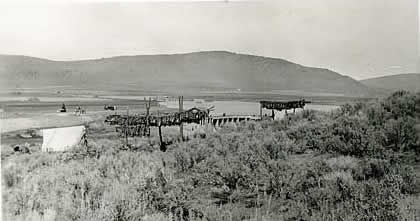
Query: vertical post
x=260 y=111
x=181 y=107
x=84 y=138
x=126 y=129
x=147 y=130
x=160 y=137
x=162 y=145
x=272 y=113
x=208 y=116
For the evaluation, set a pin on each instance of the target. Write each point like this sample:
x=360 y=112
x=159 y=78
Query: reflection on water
x=241 y=107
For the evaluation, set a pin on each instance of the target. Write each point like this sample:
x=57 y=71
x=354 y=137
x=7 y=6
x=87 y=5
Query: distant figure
x=84 y=140
x=63 y=108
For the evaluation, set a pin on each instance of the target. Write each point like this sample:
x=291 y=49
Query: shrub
x=308 y=135
x=371 y=169
x=353 y=136
x=401 y=134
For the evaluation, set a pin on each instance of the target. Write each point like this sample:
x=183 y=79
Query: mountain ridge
x=208 y=69
x=407 y=81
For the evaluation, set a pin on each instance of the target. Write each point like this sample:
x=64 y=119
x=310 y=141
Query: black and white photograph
x=210 y=110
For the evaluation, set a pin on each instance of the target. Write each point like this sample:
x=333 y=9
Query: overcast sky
x=359 y=38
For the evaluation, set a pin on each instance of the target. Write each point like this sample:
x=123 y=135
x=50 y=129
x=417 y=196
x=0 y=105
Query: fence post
x=162 y=145
x=147 y=130
x=160 y=137
x=126 y=129
x=181 y=107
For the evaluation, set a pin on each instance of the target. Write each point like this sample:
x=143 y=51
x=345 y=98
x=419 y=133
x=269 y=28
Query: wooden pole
x=126 y=129
x=160 y=136
x=162 y=145
x=208 y=116
x=147 y=130
x=181 y=107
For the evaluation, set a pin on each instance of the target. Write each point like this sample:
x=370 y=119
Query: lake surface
x=51 y=99
x=129 y=97
x=241 y=107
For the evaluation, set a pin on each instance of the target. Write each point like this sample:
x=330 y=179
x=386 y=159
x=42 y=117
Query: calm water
x=240 y=107
x=51 y=99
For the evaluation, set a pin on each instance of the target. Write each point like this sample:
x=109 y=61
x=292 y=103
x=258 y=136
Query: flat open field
x=37 y=108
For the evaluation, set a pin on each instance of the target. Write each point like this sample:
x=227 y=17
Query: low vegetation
x=355 y=163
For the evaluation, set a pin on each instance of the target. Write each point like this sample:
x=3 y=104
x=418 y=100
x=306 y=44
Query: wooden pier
x=282 y=105
x=139 y=124
x=219 y=120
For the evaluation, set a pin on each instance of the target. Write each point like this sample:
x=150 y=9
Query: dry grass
x=342 y=163
x=410 y=208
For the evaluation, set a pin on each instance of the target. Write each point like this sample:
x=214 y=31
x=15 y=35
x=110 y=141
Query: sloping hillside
x=410 y=82
x=216 y=70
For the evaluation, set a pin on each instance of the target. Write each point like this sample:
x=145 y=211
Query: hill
x=410 y=82
x=211 y=71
